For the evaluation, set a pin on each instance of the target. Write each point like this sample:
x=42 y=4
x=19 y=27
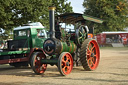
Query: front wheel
x=90 y=54
x=65 y=63
x=36 y=64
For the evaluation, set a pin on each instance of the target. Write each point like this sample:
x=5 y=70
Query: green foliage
x=113 y=13
x=18 y=12
x=62 y=6
x=5 y=35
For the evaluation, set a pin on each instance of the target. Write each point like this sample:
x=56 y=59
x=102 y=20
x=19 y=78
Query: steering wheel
x=81 y=34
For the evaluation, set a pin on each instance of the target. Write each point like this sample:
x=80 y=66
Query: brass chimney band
x=52 y=8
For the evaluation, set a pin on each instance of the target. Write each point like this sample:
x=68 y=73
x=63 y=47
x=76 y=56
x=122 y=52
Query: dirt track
x=112 y=70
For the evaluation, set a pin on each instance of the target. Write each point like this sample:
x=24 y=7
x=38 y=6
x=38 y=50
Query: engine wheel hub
x=92 y=54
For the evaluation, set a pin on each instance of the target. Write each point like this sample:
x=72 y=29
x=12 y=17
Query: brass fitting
x=52 y=8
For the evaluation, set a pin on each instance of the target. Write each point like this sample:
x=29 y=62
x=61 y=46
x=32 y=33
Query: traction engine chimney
x=52 y=21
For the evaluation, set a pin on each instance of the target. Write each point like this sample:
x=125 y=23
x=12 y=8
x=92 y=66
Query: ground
x=112 y=70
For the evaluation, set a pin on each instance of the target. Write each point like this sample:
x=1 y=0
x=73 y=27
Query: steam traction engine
x=64 y=49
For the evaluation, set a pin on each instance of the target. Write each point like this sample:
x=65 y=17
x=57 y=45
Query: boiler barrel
x=67 y=48
x=55 y=46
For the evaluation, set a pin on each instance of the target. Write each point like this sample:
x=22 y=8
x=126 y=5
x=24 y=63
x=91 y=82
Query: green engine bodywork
x=68 y=48
x=67 y=41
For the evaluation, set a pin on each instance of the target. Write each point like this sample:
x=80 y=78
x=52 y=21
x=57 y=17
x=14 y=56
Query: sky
x=77 y=5
x=77 y=8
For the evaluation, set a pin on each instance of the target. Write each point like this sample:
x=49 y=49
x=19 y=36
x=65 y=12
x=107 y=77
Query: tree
x=18 y=12
x=4 y=35
x=62 y=6
x=113 y=13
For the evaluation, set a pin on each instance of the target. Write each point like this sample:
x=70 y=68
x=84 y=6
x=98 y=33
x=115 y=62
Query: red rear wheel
x=36 y=65
x=65 y=63
x=90 y=54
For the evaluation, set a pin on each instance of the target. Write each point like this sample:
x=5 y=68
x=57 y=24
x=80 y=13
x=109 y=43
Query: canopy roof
x=72 y=18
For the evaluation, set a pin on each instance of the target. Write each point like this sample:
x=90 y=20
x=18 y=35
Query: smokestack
x=52 y=21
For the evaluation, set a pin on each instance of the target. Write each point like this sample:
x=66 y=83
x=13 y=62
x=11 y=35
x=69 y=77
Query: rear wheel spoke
x=92 y=48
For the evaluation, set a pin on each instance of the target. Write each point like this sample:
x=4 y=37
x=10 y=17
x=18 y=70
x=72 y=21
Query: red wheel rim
x=93 y=54
x=67 y=63
x=40 y=68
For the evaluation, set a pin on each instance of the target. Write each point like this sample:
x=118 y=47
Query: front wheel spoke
x=63 y=69
x=44 y=66
x=36 y=66
x=63 y=60
x=37 y=63
x=63 y=63
x=67 y=59
x=41 y=68
x=38 y=69
x=70 y=63
x=68 y=68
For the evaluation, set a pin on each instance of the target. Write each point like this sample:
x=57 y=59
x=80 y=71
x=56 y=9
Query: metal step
x=117 y=45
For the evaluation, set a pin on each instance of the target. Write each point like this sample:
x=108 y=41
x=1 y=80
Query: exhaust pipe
x=52 y=21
